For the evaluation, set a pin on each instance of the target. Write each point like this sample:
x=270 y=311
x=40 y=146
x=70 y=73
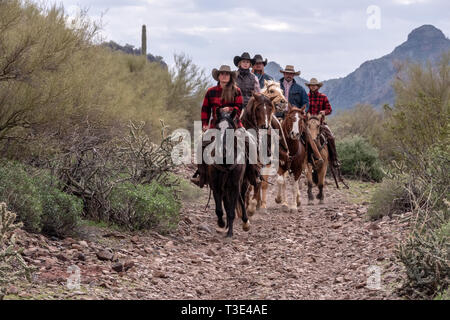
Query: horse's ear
x=266 y=83
x=302 y=109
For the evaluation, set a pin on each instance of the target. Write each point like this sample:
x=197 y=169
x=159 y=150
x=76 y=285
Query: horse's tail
x=315 y=177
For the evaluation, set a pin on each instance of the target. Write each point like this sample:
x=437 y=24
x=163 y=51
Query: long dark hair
x=229 y=92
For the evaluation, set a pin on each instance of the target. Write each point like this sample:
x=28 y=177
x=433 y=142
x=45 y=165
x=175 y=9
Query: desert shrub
x=391 y=197
x=425 y=252
x=61 y=212
x=362 y=120
x=18 y=188
x=359 y=159
x=12 y=265
x=145 y=206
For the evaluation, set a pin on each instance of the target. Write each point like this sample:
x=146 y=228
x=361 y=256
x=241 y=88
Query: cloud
x=323 y=38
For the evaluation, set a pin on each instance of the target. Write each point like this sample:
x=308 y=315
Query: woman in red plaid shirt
x=225 y=95
x=319 y=105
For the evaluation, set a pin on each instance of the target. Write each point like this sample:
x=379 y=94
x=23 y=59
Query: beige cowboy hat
x=314 y=82
x=224 y=68
x=290 y=69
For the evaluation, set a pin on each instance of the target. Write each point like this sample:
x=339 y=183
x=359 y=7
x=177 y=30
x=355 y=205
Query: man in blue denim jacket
x=293 y=92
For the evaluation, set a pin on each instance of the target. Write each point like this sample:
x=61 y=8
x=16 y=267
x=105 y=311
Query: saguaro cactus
x=144 y=41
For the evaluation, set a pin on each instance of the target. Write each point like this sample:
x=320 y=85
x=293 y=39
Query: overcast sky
x=323 y=38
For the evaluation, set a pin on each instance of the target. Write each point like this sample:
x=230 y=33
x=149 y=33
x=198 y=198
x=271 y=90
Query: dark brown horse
x=226 y=180
x=256 y=117
x=294 y=127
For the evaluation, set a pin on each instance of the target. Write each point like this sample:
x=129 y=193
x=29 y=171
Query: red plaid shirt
x=213 y=100
x=318 y=102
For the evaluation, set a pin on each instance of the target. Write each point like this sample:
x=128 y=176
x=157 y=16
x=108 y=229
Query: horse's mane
x=269 y=84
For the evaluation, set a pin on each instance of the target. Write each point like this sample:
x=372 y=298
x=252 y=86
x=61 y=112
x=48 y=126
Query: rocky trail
x=319 y=252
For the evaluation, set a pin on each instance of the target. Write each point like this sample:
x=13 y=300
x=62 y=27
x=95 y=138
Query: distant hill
x=130 y=49
x=371 y=82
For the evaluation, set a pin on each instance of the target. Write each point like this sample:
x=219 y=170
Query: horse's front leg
x=241 y=204
x=308 y=171
x=264 y=187
x=251 y=207
x=321 y=176
x=230 y=203
x=219 y=210
x=280 y=198
x=295 y=193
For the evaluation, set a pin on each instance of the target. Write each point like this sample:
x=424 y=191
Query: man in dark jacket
x=293 y=92
x=258 y=70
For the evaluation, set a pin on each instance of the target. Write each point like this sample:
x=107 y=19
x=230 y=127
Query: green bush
x=39 y=204
x=61 y=212
x=391 y=197
x=19 y=190
x=145 y=206
x=359 y=159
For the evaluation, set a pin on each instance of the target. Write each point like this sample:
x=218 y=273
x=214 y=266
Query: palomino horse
x=293 y=128
x=226 y=180
x=313 y=174
x=257 y=116
x=272 y=90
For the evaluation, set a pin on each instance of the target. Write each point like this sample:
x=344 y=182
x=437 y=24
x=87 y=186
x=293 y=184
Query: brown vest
x=247 y=85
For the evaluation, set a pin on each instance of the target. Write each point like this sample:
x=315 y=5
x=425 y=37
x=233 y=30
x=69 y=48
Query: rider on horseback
x=224 y=95
x=245 y=80
x=319 y=104
x=258 y=70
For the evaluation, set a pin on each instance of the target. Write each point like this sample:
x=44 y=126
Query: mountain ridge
x=371 y=82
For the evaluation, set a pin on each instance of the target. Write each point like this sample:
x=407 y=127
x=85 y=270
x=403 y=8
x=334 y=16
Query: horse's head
x=225 y=119
x=273 y=91
x=260 y=110
x=294 y=123
x=314 y=123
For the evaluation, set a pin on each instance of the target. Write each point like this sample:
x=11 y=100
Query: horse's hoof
x=292 y=209
x=278 y=200
x=246 y=226
x=285 y=207
x=263 y=210
x=220 y=223
x=321 y=201
x=310 y=203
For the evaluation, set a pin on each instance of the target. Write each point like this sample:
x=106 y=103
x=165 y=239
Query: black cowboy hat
x=258 y=58
x=224 y=68
x=244 y=56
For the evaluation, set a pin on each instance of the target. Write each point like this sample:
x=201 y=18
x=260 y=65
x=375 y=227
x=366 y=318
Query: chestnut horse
x=256 y=117
x=314 y=174
x=293 y=128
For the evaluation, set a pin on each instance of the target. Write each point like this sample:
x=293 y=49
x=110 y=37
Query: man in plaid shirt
x=319 y=105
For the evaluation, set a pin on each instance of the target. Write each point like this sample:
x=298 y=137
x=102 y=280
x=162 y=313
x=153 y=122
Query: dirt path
x=320 y=252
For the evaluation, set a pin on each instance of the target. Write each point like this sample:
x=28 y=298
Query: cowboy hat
x=244 y=56
x=224 y=68
x=258 y=58
x=314 y=82
x=290 y=69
